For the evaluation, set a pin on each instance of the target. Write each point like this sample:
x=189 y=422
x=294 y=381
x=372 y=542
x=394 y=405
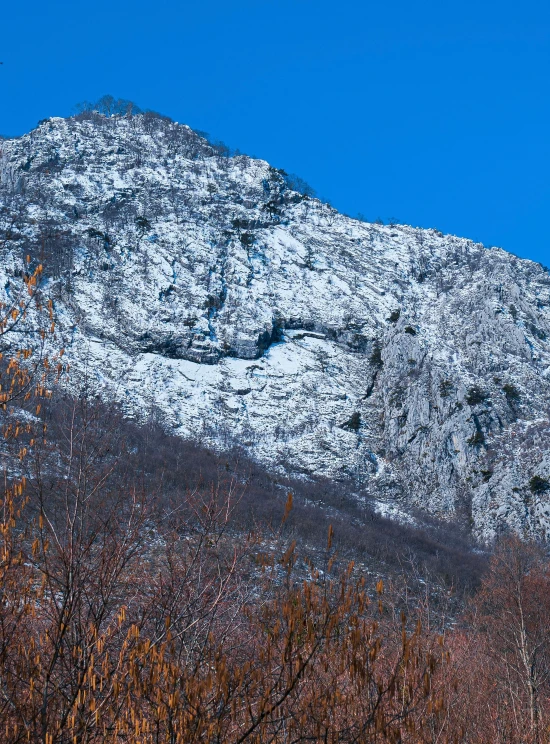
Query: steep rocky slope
x=201 y=288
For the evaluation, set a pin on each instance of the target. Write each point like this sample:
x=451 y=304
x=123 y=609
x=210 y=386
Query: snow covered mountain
x=202 y=288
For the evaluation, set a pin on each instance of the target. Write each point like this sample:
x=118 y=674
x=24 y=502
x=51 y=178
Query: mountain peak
x=205 y=288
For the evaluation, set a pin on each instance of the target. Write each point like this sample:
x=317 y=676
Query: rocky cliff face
x=201 y=287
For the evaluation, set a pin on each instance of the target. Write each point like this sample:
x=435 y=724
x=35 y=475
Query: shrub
x=247 y=239
x=109 y=106
x=353 y=423
x=539 y=485
x=143 y=224
x=475 y=396
x=445 y=388
x=511 y=392
x=537 y=332
x=376 y=355
x=295 y=183
x=410 y=330
x=478 y=439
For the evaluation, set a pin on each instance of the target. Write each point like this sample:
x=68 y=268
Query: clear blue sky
x=433 y=112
